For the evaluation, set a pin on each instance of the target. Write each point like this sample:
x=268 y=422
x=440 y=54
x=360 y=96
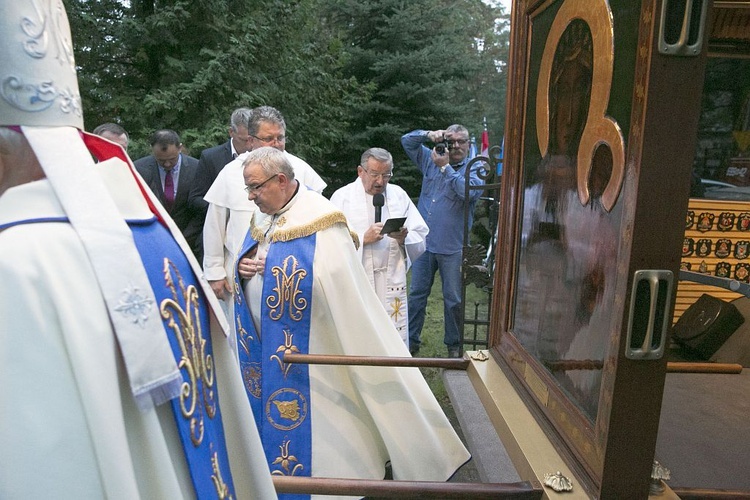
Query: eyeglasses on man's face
x=456 y=142
x=254 y=188
x=270 y=140
x=376 y=176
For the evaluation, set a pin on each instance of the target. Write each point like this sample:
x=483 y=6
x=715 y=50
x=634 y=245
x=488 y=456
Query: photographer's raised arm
x=414 y=146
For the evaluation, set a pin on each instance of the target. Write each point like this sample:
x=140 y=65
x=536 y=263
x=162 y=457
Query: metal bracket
x=707 y=279
x=682 y=27
x=650 y=300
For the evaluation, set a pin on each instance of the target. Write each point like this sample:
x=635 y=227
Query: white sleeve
x=416 y=238
x=304 y=173
x=214 y=234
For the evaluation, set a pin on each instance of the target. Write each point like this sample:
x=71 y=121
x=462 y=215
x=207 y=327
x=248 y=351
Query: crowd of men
x=244 y=238
x=147 y=307
x=203 y=197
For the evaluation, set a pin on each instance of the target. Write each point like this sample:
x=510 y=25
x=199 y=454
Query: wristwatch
x=444 y=168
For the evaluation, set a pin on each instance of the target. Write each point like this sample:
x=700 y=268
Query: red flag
x=485 y=140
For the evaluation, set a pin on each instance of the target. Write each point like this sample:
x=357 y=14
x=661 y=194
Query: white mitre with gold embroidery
x=39 y=93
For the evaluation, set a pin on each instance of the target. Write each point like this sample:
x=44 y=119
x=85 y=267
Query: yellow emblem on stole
x=222 y=488
x=286 y=295
x=288 y=347
x=184 y=322
x=286 y=459
x=286 y=409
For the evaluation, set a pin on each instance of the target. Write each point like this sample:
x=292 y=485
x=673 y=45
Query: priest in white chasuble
x=305 y=291
x=118 y=380
x=368 y=203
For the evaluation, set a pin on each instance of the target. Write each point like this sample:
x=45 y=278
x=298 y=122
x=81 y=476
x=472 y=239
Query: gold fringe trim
x=302 y=231
x=355 y=239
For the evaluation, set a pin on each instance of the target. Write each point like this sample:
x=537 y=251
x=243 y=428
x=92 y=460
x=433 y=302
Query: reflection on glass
x=722 y=158
x=568 y=251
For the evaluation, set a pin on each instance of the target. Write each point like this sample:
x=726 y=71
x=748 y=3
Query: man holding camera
x=442 y=203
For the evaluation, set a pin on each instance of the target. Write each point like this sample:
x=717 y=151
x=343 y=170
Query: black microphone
x=378 y=200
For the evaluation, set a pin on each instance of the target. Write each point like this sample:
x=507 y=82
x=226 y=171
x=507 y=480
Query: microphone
x=378 y=200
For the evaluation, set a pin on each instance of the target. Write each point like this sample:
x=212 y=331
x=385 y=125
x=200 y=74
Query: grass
x=432 y=345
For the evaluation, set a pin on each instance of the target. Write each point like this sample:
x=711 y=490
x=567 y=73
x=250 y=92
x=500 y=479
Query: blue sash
x=280 y=398
x=185 y=315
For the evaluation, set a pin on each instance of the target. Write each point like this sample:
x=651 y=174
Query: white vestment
x=360 y=417
x=69 y=425
x=385 y=261
x=228 y=217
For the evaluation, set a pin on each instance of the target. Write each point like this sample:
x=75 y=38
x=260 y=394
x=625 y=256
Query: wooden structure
x=604 y=101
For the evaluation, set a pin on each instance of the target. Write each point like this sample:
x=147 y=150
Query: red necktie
x=169 y=188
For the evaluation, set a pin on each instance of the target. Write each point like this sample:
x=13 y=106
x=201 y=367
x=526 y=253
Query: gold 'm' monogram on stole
x=286 y=294
x=222 y=488
x=184 y=322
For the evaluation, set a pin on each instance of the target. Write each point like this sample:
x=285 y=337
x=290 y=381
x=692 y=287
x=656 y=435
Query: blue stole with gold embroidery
x=185 y=315
x=280 y=391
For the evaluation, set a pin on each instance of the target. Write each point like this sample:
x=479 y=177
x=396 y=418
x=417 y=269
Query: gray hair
x=240 y=118
x=263 y=114
x=378 y=154
x=271 y=160
x=112 y=128
x=458 y=129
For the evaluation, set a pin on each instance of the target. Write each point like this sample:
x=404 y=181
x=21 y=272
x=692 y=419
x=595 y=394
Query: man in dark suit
x=171 y=175
x=212 y=160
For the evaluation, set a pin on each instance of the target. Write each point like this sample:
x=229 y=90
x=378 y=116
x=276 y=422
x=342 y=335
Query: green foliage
x=424 y=60
x=346 y=74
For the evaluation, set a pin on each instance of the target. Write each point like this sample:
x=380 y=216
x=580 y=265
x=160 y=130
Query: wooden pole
x=672 y=366
x=406 y=489
x=333 y=359
x=685 y=367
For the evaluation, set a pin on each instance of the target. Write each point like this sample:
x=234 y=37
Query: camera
x=441 y=147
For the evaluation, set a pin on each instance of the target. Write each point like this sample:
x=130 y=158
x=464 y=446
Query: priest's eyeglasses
x=270 y=140
x=254 y=188
x=376 y=176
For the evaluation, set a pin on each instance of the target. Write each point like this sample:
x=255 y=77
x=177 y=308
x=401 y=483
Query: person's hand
x=399 y=235
x=221 y=288
x=436 y=135
x=373 y=233
x=249 y=267
x=440 y=160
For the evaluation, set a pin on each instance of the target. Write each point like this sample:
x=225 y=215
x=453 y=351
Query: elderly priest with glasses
x=386 y=253
x=305 y=291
